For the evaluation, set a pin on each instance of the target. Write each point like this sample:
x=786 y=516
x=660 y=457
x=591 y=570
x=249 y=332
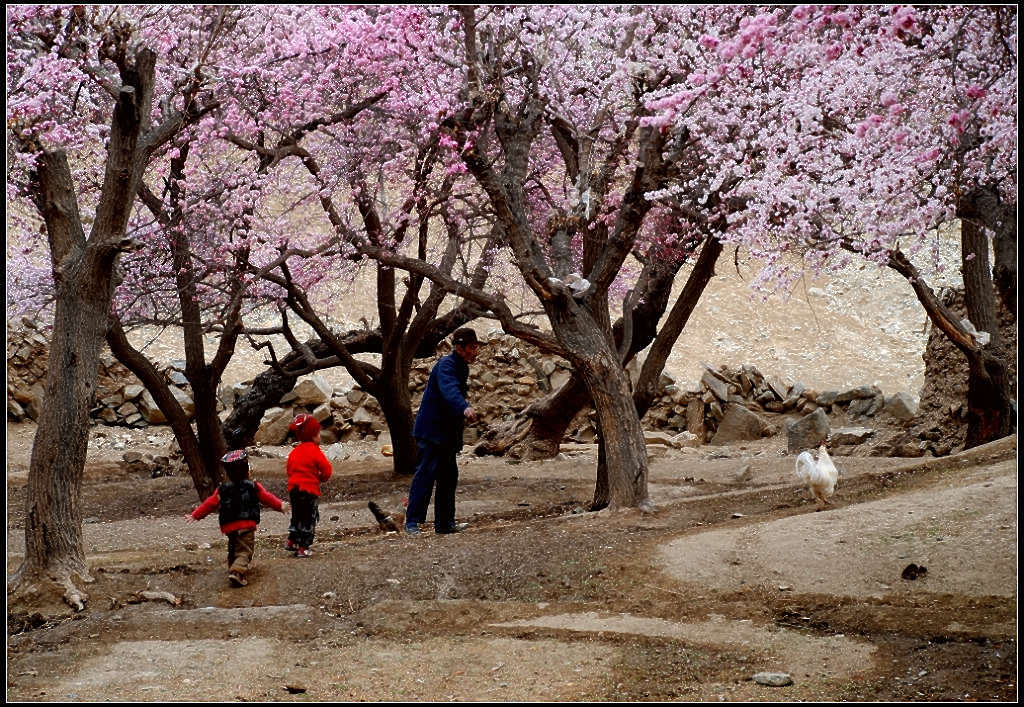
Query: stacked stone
x=726 y=405
x=725 y=389
x=120 y=400
x=27 y=352
x=130 y=404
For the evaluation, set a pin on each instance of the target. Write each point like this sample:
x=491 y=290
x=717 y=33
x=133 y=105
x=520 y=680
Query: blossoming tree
x=137 y=77
x=869 y=128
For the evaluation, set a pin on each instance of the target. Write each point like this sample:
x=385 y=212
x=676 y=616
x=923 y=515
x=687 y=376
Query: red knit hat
x=305 y=427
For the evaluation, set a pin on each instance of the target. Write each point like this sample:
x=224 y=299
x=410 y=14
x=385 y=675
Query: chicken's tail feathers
x=805 y=465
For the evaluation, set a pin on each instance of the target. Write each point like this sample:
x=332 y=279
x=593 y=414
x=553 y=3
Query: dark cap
x=236 y=464
x=237 y=455
x=464 y=336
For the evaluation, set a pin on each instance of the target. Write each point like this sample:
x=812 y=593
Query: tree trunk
x=54 y=547
x=602 y=494
x=609 y=389
x=267 y=390
x=84 y=273
x=988 y=384
x=696 y=283
x=212 y=445
x=1001 y=218
x=537 y=431
x=396 y=405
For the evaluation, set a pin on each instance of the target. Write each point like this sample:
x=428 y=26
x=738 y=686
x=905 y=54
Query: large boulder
x=312 y=391
x=807 y=432
x=273 y=429
x=152 y=414
x=740 y=424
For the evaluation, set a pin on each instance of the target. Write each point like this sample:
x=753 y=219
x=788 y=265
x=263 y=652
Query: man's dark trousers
x=436 y=465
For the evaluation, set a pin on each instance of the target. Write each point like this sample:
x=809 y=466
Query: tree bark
x=608 y=385
x=54 y=547
x=396 y=405
x=988 y=384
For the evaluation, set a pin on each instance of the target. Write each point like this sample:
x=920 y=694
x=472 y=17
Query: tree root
x=73 y=596
x=44 y=587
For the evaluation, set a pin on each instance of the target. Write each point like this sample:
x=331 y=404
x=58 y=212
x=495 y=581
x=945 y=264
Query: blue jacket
x=440 y=417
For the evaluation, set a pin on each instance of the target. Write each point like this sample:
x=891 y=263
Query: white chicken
x=819 y=474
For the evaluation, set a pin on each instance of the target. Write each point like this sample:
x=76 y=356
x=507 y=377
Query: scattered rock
x=901 y=406
x=851 y=435
x=313 y=390
x=914 y=571
x=773 y=679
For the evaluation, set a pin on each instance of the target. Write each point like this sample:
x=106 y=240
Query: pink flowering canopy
x=789 y=128
x=861 y=123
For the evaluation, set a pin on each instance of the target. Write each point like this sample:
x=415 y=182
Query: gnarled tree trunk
x=84 y=279
x=608 y=385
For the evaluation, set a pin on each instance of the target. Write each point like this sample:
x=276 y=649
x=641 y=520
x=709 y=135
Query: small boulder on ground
x=851 y=435
x=902 y=406
x=807 y=432
x=773 y=679
x=740 y=424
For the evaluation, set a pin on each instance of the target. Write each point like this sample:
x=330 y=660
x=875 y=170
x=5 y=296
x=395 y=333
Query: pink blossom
x=708 y=41
x=976 y=91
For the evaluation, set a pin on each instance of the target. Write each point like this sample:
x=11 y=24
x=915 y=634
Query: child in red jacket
x=238 y=500
x=307 y=467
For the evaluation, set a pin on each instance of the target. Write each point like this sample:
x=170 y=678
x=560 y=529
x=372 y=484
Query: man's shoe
x=412 y=530
x=456 y=528
x=303 y=552
x=237 y=580
x=290 y=546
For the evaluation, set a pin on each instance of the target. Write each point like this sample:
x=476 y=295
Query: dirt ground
x=734 y=574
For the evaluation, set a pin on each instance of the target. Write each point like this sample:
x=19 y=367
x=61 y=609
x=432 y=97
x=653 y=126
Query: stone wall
x=726 y=405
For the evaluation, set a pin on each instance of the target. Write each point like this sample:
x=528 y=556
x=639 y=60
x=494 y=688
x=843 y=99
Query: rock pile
x=732 y=404
x=131 y=405
x=120 y=400
x=27 y=351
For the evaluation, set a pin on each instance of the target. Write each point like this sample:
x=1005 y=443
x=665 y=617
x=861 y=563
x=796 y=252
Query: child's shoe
x=303 y=552
x=237 y=580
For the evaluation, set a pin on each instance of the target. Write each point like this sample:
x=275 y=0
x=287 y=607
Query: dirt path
x=541 y=601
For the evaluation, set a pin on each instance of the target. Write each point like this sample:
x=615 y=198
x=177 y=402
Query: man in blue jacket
x=438 y=433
